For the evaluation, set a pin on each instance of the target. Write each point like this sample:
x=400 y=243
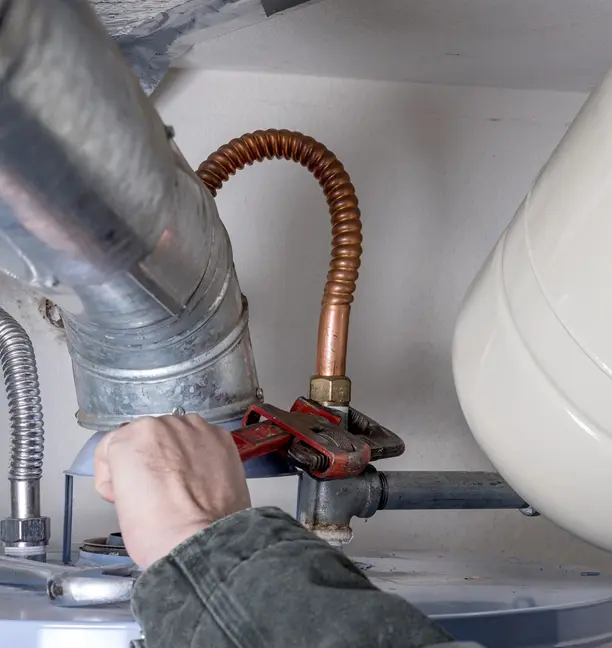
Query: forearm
x=258 y=579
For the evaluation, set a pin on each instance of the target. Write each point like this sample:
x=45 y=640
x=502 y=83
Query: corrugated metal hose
x=23 y=393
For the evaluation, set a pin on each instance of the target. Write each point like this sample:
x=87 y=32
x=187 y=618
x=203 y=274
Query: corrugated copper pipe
x=345 y=220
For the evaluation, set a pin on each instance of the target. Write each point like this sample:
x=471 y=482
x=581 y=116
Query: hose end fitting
x=25 y=537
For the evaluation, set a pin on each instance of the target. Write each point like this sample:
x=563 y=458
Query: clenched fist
x=169 y=477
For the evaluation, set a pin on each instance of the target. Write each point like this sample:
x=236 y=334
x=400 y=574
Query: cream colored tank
x=532 y=354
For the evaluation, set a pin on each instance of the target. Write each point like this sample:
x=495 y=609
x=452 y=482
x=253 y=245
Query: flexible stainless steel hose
x=23 y=392
x=25 y=533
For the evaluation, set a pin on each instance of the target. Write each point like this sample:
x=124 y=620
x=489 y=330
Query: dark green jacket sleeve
x=258 y=579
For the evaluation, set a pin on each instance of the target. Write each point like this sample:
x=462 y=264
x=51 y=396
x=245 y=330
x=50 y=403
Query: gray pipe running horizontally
x=100 y=213
x=25 y=533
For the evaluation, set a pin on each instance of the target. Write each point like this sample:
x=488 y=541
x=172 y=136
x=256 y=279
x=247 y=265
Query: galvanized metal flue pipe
x=100 y=213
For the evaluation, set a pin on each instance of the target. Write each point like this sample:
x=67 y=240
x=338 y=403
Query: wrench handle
x=260 y=439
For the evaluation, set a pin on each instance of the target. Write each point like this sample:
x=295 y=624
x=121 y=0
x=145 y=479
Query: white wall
x=527 y=44
x=439 y=172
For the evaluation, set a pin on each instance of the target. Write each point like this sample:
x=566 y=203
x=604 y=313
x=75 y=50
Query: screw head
x=55 y=590
x=529 y=511
x=51 y=313
x=259 y=394
x=178 y=411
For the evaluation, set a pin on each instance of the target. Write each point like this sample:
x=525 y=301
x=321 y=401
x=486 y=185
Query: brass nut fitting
x=330 y=390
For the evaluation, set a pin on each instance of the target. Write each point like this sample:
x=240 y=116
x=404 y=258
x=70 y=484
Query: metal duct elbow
x=100 y=213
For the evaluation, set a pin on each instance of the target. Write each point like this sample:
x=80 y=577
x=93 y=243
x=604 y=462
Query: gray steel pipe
x=100 y=213
x=447 y=490
x=327 y=507
x=25 y=532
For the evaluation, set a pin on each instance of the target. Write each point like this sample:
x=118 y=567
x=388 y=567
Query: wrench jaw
x=315 y=438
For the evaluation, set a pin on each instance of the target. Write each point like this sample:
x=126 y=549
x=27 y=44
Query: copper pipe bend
x=345 y=220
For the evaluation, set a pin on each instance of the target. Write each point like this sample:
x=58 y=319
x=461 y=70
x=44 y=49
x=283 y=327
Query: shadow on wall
x=406 y=303
x=173 y=80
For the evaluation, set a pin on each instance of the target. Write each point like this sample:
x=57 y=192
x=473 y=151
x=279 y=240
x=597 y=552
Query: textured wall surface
x=439 y=172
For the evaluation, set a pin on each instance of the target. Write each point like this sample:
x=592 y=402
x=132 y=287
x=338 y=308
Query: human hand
x=169 y=477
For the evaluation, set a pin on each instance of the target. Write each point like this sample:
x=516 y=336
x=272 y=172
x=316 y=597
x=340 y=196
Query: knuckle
x=111 y=439
x=135 y=433
x=147 y=421
x=194 y=419
x=153 y=425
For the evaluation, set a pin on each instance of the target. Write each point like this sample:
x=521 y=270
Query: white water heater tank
x=532 y=355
